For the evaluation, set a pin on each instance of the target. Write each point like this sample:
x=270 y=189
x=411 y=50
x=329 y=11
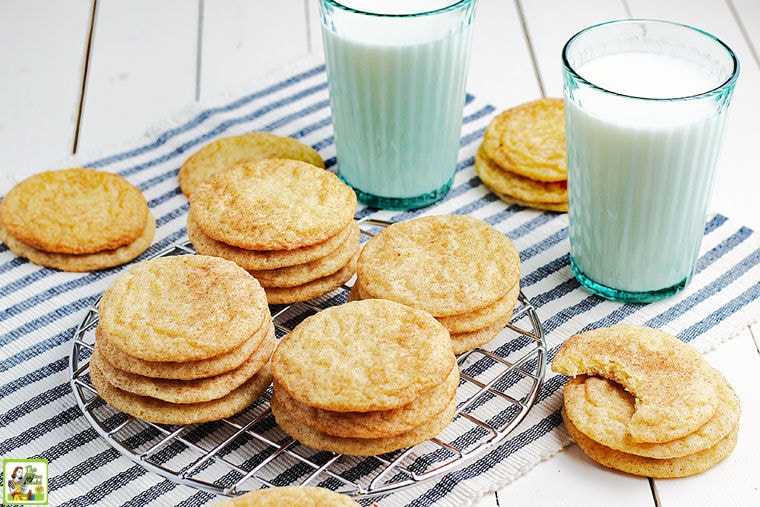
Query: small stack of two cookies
x=459 y=269
x=76 y=220
x=523 y=156
x=365 y=378
x=183 y=339
x=287 y=222
x=643 y=402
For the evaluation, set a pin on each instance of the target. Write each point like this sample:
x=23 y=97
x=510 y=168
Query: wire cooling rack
x=499 y=383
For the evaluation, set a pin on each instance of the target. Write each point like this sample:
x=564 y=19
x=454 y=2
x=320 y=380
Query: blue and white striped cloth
x=40 y=308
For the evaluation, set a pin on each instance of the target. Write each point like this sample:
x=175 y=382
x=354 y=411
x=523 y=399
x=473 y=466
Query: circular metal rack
x=499 y=383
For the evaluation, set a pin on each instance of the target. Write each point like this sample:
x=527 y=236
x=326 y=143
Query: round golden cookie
x=668 y=468
x=544 y=206
x=162 y=412
x=74 y=211
x=313 y=289
x=266 y=259
x=182 y=308
x=602 y=410
x=274 y=204
x=292 y=276
x=478 y=319
x=529 y=140
x=471 y=321
x=187 y=391
x=295 y=496
x=502 y=181
x=673 y=384
x=363 y=356
x=444 y=264
x=364 y=446
x=187 y=370
x=462 y=342
x=83 y=262
x=376 y=424
x=222 y=153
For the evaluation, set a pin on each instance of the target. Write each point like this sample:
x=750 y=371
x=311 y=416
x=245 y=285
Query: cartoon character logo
x=25 y=482
x=16 y=485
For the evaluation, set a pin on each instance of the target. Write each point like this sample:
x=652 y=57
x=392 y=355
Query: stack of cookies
x=289 y=223
x=365 y=378
x=76 y=220
x=643 y=402
x=523 y=157
x=224 y=152
x=183 y=339
x=458 y=268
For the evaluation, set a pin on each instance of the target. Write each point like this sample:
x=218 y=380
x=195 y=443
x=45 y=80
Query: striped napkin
x=40 y=309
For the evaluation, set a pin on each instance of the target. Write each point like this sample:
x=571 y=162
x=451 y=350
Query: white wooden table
x=79 y=76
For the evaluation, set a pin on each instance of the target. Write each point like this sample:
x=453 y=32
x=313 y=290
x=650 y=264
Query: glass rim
x=728 y=83
x=453 y=6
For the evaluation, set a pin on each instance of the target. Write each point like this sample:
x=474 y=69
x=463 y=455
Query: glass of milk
x=396 y=72
x=645 y=108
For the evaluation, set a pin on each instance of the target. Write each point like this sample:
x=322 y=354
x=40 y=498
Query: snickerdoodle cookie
x=366 y=377
x=642 y=401
x=302 y=496
x=458 y=268
x=272 y=205
x=76 y=219
x=182 y=308
x=674 y=387
x=289 y=223
x=529 y=140
x=224 y=152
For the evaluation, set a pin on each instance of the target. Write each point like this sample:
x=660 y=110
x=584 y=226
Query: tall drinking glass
x=397 y=71
x=645 y=108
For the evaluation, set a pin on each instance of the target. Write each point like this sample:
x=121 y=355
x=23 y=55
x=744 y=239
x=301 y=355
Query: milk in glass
x=644 y=129
x=645 y=178
x=397 y=91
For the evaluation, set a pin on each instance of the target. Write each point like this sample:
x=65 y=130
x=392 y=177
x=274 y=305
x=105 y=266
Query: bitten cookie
x=224 y=152
x=667 y=468
x=601 y=409
x=674 y=387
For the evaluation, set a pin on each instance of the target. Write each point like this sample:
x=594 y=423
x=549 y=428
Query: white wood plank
x=552 y=22
x=571 y=479
x=501 y=68
x=735 y=480
x=42 y=47
x=142 y=69
x=748 y=15
x=488 y=500
x=243 y=40
x=737 y=178
x=315 y=26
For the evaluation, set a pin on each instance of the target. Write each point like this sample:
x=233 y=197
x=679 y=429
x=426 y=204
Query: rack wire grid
x=499 y=383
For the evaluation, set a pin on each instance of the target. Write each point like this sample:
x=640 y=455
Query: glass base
x=400 y=203
x=623 y=296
